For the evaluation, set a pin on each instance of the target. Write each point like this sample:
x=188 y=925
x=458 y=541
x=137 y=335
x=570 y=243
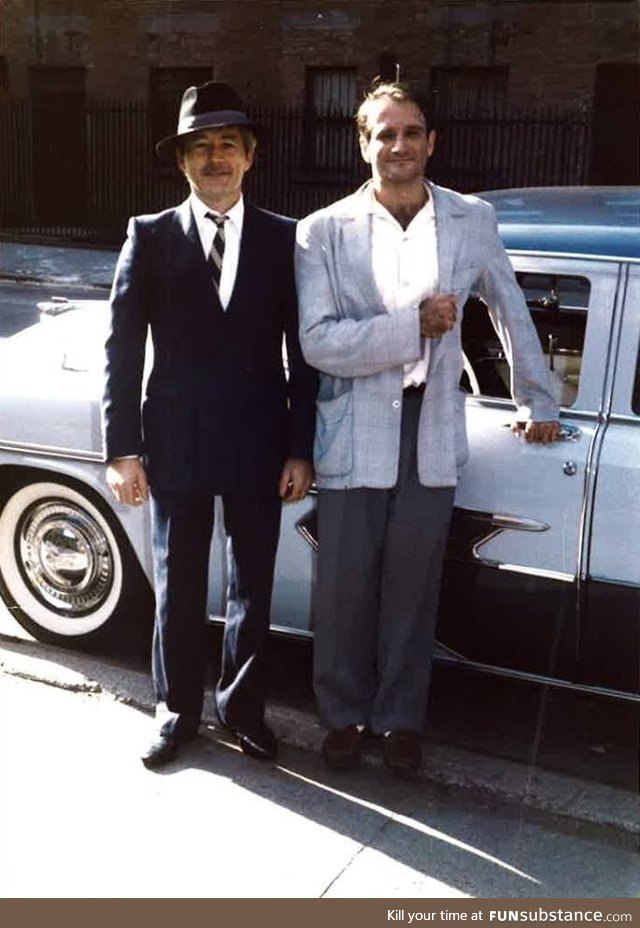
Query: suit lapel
x=449 y=219
x=354 y=248
x=189 y=228
x=189 y=252
x=186 y=260
x=449 y=238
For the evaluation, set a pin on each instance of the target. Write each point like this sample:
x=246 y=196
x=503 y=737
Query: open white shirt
x=405 y=267
x=232 y=235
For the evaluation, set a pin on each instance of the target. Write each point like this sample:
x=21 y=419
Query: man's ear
x=364 y=148
x=179 y=160
x=431 y=142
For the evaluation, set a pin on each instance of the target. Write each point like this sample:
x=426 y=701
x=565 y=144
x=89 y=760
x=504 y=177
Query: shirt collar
x=377 y=209
x=200 y=210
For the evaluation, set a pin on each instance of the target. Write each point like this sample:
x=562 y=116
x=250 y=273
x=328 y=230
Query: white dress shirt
x=232 y=235
x=405 y=267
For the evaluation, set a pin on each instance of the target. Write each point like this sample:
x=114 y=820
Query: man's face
x=398 y=146
x=214 y=162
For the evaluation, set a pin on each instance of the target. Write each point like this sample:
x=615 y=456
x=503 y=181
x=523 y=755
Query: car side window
x=558 y=305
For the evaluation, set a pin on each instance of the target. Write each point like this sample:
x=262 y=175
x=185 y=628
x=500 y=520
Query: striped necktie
x=217 y=248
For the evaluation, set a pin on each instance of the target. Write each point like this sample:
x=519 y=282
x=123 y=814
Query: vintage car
x=542 y=578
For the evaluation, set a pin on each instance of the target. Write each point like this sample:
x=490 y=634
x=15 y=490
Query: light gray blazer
x=360 y=348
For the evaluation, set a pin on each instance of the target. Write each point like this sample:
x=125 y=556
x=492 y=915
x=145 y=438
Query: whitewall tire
x=64 y=573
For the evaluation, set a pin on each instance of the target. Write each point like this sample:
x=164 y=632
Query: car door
x=291 y=602
x=516 y=559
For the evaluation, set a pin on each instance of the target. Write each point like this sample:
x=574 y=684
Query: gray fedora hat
x=209 y=106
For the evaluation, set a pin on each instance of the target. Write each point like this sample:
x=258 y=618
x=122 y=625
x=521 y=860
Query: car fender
x=25 y=466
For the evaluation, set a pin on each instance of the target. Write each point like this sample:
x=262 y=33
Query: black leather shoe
x=402 y=752
x=260 y=743
x=160 y=751
x=343 y=746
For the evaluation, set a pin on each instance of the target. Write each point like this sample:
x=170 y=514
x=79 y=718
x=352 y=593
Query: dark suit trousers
x=379 y=567
x=182 y=528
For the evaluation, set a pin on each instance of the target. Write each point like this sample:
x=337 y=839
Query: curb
x=546 y=795
x=569 y=802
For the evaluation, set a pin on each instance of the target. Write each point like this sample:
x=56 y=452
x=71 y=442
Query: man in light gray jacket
x=381 y=277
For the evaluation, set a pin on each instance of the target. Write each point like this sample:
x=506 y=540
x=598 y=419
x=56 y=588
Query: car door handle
x=567 y=432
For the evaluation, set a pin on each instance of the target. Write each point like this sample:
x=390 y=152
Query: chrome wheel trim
x=72 y=595
x=65 y=556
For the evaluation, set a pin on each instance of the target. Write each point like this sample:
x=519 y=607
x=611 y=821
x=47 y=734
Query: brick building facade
x=520 y=51
x=87 y=85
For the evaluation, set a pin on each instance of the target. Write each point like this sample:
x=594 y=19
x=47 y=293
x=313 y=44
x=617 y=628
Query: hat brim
x=216 y=120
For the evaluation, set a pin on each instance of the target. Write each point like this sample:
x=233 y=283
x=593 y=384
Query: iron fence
x=303 y=163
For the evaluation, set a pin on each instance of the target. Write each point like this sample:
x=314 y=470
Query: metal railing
x=303 y=163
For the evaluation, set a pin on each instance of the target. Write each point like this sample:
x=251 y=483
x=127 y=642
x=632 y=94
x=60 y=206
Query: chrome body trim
x=447 y=656
x=538 y=572
x=516 y=568
x=518 y=523
x=285 y=630
x=583 y=415
x=622 y=584
x=623 y=419
x=307 y=536
x=501 y=523
x=594 y=450
x=508 y=405
x=52 y=451
x=444 y=654
x=616 y=259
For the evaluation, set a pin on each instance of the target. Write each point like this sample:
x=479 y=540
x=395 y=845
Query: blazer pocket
x=333 y=451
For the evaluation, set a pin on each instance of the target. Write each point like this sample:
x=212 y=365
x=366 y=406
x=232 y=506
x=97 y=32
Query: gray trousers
x=379 y=568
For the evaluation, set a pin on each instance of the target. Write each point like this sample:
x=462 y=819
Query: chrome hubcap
x=66 y=557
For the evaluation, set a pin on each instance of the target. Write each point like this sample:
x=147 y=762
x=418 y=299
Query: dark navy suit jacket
x=219 y=415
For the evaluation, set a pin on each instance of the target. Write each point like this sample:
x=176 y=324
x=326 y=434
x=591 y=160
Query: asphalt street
x=66 y=265
x=19 y=301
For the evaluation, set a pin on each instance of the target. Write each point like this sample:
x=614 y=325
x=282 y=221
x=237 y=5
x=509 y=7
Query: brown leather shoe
x=402 y=752
x=342 y=747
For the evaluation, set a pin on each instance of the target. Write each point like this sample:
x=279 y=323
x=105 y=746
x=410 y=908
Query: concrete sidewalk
x=568 y=801
x=82 y=818
x=68 y=265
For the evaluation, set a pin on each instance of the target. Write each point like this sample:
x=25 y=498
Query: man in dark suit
x=213 y=281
